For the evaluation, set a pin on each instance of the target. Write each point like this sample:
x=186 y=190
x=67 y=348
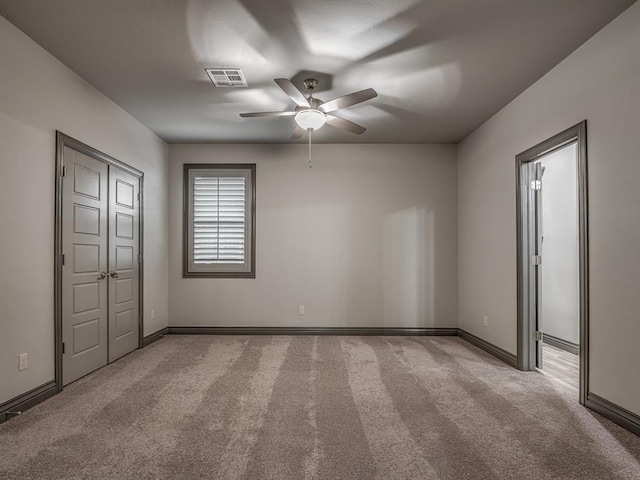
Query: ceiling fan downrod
x=310 y=84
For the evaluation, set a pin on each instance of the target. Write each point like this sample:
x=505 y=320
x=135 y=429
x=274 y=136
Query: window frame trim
x=187 y=211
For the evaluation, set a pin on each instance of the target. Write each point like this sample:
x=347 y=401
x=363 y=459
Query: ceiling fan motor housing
x=314 y=104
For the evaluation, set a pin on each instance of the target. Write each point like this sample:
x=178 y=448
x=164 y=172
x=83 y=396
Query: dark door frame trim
x=526 y=328
x=62 y=141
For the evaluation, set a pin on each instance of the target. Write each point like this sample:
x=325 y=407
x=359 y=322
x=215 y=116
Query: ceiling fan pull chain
x=310 y=130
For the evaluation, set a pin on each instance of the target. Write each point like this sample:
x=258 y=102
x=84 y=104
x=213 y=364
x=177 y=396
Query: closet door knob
x=102 y=275
x=114 y=274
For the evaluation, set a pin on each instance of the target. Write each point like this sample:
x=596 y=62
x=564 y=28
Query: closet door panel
x=124 y=267
x=84 y=285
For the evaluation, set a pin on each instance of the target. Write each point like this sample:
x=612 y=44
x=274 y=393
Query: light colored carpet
x=280 y=407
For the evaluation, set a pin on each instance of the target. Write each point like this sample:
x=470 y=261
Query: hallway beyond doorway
x=563 y=367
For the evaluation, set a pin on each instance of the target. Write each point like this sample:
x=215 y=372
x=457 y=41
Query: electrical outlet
x=153 y=314
x=23 y=362
x=301 y=310
x=486 y=321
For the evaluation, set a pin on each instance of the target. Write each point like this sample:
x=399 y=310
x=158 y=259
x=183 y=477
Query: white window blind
x=219 y=223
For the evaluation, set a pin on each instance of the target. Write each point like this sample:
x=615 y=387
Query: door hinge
x=538 y=336
x=63 y=349
x=138 y=196
x=63 y=171
x=63 y=259
x=536 y=184
x=139 y=258
x=536 y=260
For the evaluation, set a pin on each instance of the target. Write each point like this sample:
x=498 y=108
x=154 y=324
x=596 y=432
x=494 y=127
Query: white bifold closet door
x=100 y=275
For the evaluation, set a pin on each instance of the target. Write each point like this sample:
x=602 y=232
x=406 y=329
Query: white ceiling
x=440 y=67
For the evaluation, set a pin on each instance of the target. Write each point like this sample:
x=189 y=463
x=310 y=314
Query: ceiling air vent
x=226 y=77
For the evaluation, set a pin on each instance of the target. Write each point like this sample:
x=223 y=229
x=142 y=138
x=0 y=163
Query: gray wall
x=37 y=96
x=367 y=238
x=560 y=262
x=600 y=82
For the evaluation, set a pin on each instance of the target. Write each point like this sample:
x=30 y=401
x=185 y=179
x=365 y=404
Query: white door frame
x=526 y=308
x=62 y=141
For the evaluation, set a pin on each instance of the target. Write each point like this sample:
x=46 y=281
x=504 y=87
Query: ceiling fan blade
x=293 y=93
x=348 y=100
x=344 y=124
x=268 y=114
x=298 y=133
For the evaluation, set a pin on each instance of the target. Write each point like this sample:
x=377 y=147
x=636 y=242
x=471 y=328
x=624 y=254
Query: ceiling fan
x=312 y=113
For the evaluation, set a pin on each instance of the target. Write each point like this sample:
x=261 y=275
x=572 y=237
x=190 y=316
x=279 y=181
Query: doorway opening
x=552 y=259
x=98 y=260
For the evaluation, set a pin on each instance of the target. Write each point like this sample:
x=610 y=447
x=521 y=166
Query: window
x=219 y=222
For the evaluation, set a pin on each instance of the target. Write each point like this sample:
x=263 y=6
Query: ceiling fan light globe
x=310 y=119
